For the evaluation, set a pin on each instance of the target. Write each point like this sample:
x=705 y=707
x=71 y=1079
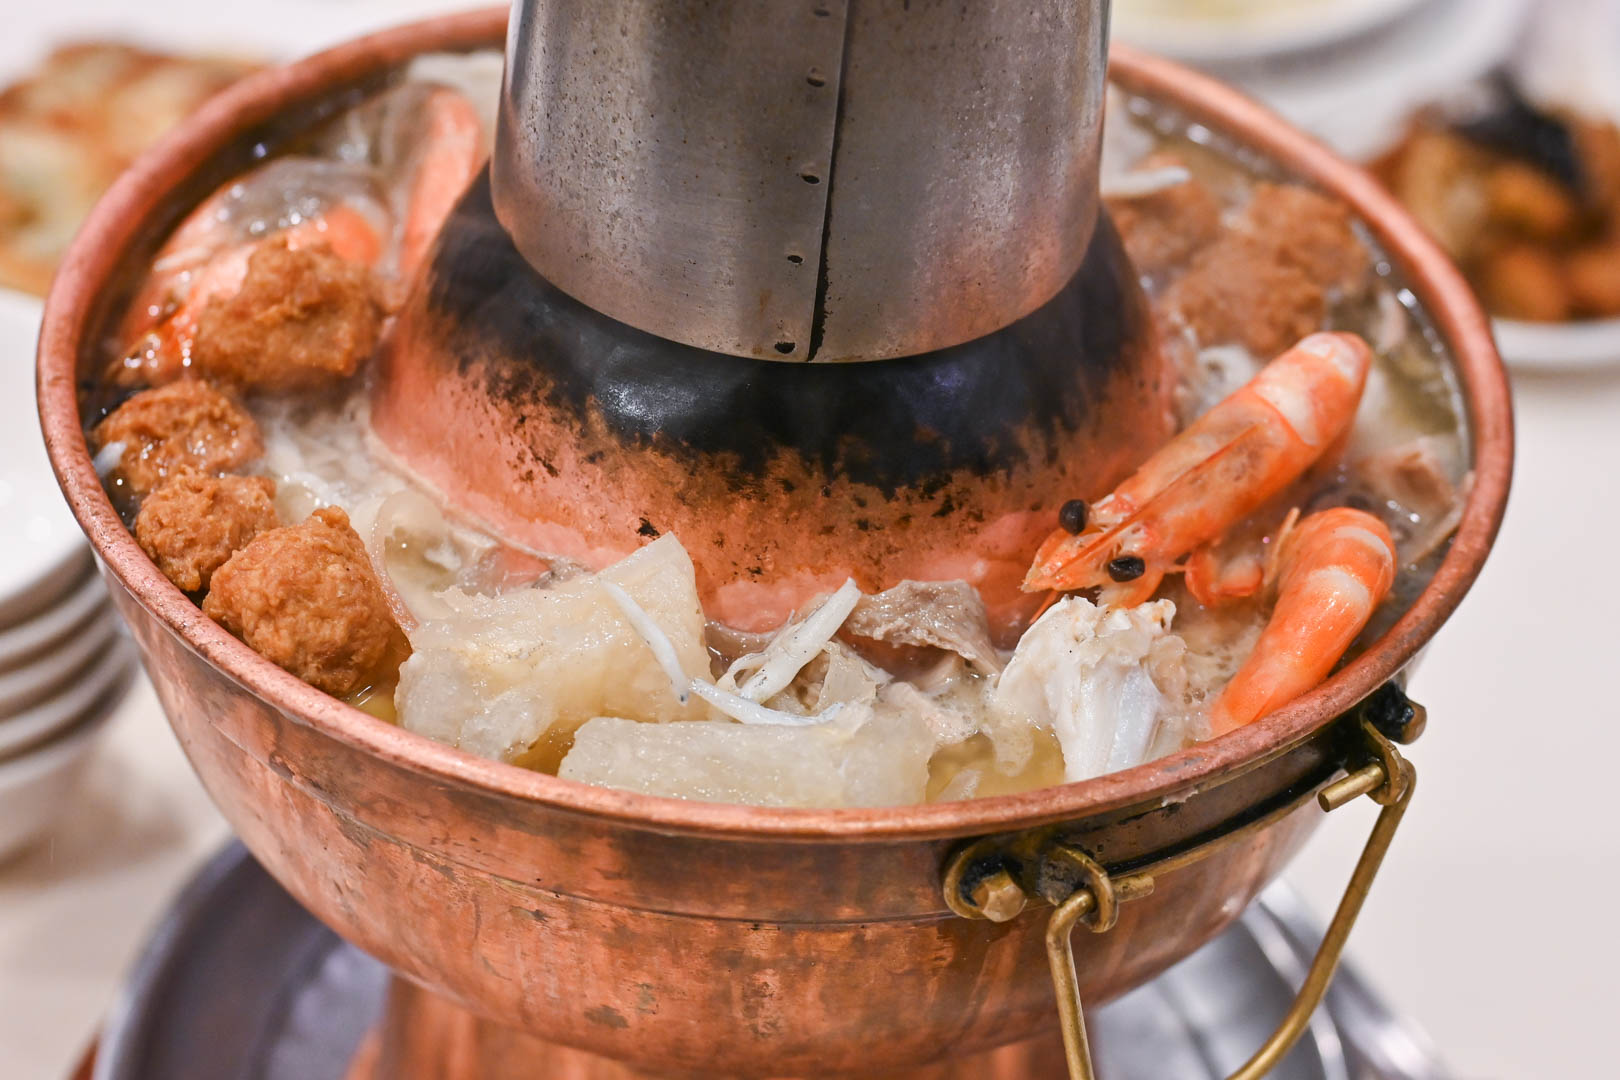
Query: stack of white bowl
x=65 y=661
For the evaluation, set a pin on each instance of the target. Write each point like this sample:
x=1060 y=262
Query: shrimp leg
x=1335 y=568
x=1226 y=465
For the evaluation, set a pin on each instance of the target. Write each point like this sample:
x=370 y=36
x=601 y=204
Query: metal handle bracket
x=1386 y=777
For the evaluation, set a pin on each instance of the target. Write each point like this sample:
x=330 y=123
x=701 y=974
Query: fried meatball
x=303 y=319
x=1237 y=292
x=193 y=523
x=186 y=425
x=1310 y=232
x=1163 y=230
x=305 y=597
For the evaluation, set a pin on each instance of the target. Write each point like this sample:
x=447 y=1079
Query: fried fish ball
x=186 y=425
x=1238 y=292
x=1309 y=231
x=193 y=523
x=1164 y=229
x=306 y=598
x=303 y=319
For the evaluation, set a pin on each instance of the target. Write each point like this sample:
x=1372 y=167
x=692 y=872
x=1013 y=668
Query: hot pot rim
x=73 y=308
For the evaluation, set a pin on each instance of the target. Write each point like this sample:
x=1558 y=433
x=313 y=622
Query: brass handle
x=1389 y=780
x=994 y=877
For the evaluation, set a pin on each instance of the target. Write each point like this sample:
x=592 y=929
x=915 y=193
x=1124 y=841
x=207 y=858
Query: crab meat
x=1093 y=677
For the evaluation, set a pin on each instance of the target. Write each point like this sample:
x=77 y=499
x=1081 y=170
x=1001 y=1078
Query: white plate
x=48 y=590
x=40 y=544
x=1568 y=61
x=32 y=683
x=102 y=687
x=22 y=643
x=1225 y=31
x=37 y=788
x=1357 y=97
x=1574 y=346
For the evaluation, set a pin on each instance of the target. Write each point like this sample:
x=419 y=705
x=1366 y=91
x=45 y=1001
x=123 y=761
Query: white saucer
x=41 y=547
x=1552 y=347
x=46 y=676
x=21 y=643
x=99 y=690
x=1178 y=28
x=38 y=787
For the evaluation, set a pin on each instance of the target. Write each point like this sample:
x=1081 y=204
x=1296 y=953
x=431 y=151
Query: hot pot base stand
x=241 y=983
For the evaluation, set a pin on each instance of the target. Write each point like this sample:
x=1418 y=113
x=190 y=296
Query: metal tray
x=241 y=983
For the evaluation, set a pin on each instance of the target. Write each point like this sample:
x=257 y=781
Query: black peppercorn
x=1072 y=516
x=1126 y=568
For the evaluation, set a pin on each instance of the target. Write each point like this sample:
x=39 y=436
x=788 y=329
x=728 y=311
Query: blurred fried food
x=1524 y=282
x=1535 y=245
x=69 y=128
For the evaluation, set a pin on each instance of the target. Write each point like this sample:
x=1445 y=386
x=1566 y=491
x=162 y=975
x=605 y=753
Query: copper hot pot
x=544 y=927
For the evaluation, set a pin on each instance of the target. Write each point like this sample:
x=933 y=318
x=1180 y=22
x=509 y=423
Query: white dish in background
x=1567 y=62
x=50 y=588
x=100 y=690
x=26 y=641
x=41 y=546
x=1227 y=31
x=1358 y=96
x=37 y=788
x=49 y=673
x=1550 y=347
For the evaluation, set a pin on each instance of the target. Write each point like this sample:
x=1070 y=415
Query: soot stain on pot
x=1007 y=397
x=607 y=1016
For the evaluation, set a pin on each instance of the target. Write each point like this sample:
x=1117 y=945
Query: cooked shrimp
x=1334 y=569
x=1240 y=563
x=1221 y=469
x=451 y=150
x=308 y=202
